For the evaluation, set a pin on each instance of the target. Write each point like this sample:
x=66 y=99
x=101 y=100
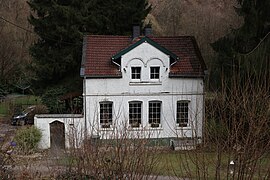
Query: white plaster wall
x=168 y=90
x=168 y=120
x=74 y=128
x=122 y=90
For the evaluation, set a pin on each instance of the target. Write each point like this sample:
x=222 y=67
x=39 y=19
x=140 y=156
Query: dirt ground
x=41 y=165
x=47 y=164
x=7 y=132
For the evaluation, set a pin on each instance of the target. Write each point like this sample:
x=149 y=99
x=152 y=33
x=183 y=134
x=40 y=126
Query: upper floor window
x=135 y=113
x=154 y=113
x=182 y=113
x=154 y=72
x=105 y=114
x=135 y=72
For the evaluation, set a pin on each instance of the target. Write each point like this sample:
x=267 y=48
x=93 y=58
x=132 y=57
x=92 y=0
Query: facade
x=148 y=86
x=142 y=87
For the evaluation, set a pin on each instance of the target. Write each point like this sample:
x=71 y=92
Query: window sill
x=135 y=128
x=106 y=127
x=145 y=83
x=183 y=128
x=155 y=127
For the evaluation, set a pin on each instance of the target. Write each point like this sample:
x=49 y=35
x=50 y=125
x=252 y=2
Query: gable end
x=151 y=42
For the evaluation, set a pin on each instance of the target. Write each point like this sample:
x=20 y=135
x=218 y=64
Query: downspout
x=204 y=120
x=84 y=107
x=82 y=74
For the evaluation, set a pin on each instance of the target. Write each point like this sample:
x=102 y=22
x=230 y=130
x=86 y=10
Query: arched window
x=105 y=114
x=182 y=113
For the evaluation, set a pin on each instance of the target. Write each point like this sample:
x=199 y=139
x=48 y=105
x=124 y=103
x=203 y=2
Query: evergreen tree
x=60 y=26
x=233 y=49
x=256 y=25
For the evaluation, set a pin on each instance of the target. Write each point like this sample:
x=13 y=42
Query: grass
x=184 y=163
x=3 y=109
x=20 y=101
x=191 y=164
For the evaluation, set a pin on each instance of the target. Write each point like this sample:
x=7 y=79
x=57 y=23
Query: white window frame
x=154 y=73
x=136 y=73
x=182 y=113
x=135 y=112
x=108 y=122
x=154 y=122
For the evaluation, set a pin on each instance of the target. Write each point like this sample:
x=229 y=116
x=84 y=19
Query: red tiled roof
x=99 y=49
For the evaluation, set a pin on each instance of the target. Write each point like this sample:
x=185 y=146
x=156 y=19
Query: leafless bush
x=120 y=157
x=41 y=109
x=237 y=133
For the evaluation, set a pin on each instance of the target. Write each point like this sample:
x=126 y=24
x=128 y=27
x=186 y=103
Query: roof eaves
x=198 y=52
x=82 y=70
x=186 y=75
x=102 y=76
x=148 y=40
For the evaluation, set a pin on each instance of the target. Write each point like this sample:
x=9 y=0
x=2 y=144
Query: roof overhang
x=143 y=40
x=186 y=75
x=102 y=76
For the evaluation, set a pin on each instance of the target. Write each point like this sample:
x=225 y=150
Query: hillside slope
x=15 y=41
x=207 y=20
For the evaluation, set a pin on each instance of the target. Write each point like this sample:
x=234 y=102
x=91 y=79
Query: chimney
x=135 y=31
x=148 y=31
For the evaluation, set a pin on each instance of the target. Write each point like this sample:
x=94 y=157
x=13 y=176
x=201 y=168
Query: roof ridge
x=98 y=35
x=150 y=41
x=170 y=36
x=106 y=36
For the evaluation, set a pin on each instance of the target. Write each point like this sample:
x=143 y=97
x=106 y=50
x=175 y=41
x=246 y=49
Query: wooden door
x=57 y=135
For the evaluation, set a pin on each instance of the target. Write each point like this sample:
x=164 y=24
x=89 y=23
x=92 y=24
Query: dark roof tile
x=99 y=50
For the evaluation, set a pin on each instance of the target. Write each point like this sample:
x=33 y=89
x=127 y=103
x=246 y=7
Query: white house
x=142 y=87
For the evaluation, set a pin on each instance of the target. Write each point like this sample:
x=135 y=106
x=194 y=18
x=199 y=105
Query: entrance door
x=57 y=135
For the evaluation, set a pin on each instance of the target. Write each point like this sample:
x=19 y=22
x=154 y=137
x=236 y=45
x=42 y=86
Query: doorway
x=57 y=135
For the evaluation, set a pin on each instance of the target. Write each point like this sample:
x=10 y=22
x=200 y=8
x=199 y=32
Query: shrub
x=51 y=99
x=39 y=109
x=27 y=139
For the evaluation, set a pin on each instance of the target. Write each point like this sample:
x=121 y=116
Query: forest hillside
x=207 y=20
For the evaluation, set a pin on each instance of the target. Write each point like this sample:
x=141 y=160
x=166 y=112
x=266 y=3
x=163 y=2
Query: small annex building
x=143 y=86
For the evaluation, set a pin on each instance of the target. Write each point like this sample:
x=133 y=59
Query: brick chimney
x=136 y=31
x=148 y=31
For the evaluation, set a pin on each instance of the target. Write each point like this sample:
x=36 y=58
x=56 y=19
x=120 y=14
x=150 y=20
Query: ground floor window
x=135 y=113
x=182 y=113
x=154 y=113
x=106 y=114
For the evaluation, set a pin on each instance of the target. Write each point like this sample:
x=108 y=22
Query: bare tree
x=15 y=40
